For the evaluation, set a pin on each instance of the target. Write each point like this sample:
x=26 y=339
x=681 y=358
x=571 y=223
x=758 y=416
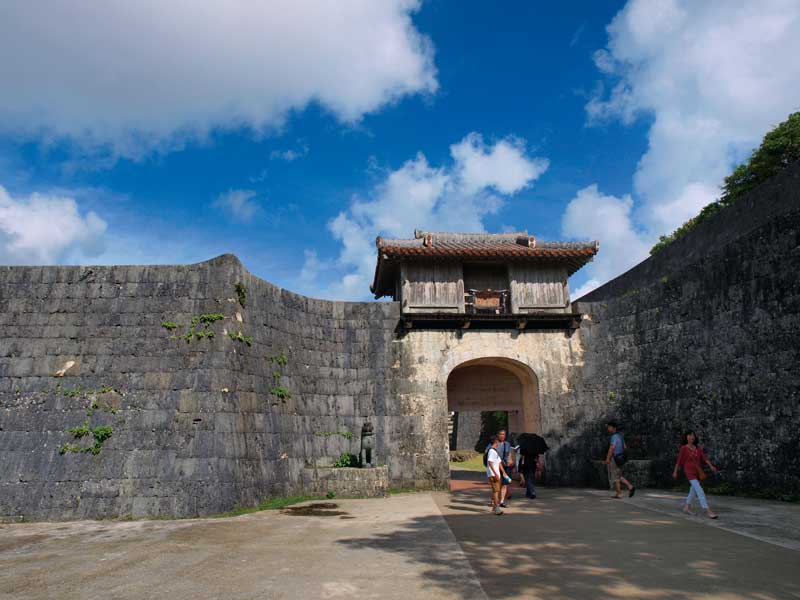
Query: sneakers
x=631 y=492
x=497 y=510
x=503 y=505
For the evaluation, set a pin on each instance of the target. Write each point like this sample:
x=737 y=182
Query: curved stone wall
x=195 y=429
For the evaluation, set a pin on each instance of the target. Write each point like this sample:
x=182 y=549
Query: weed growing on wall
x=241 y=294
x=346 y=460
x=199 y=327
x=99 y=433
x=278 y=389
x=238 y=336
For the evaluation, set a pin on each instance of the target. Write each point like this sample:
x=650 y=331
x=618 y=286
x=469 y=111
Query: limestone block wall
x=705 y=335
x=194 y=427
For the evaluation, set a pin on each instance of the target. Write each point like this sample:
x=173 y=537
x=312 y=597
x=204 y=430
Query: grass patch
x=394 y=491
x=473 y=464
x=268 y=504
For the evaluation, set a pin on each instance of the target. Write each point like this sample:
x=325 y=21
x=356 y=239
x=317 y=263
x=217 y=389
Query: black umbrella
x=530 y=443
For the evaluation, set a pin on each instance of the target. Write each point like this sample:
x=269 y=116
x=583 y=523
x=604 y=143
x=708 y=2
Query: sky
x=292 y=133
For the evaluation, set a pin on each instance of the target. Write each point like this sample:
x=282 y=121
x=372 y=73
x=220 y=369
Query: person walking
x=506 y=451
x=527 y=471
x=616 y=459
x=691 y=458
x=494 y=473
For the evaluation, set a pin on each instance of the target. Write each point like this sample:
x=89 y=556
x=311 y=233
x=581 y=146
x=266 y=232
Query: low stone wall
x=346 y=482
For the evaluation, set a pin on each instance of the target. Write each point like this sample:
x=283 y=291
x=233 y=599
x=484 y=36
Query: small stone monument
x=367 y=445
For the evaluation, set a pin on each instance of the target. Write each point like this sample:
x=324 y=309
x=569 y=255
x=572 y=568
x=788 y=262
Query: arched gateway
x=491 y=384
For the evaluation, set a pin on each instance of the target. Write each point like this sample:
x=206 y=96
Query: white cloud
x=714 y=77
x=131 y=77
x=238 y=205
x=418 y=195
x=291 y=154
x=596 y=216
x=42 y=229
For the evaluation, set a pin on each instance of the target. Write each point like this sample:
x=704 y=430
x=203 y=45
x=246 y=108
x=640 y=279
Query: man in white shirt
x=493 y=472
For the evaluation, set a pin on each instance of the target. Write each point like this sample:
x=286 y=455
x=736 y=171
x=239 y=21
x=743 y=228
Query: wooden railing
x=494 y=302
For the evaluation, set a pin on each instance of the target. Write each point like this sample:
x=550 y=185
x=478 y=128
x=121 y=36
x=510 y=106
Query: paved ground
x=397 y=548
x=583 y=544
x=566 y=544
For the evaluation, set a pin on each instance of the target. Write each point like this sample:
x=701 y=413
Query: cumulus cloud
x=597 y=216
x=238 y=205
x=42 y=229
x=131 y=77
x=419 y=195
x=713 y=77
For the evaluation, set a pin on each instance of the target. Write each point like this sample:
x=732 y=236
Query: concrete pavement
x=582 y=544
x=566 y=544
x=394 y=548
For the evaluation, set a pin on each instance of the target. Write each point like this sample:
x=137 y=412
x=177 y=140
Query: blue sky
x=292 y=136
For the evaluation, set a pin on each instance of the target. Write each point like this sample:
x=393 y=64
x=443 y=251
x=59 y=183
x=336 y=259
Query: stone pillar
x=468 y=429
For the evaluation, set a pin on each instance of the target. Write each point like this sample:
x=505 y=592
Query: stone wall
x=705 y=335
x=702 y=335
x=195 y=427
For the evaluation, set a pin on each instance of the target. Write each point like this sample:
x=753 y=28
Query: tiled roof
x=480 y=246
x=515 y=246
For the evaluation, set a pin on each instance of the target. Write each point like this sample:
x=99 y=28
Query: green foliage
x=330 y=495
x=779 y=148
x=279 y=359
x=491 y=423
x=99 y=435
x=241 y=293
x=281 y=392
x=199 y=327
x=664 y=280
x=238 y=336
x=612 y=395
x=71 y=393
x=346 y=460
x=209 y=318
x=79 y=431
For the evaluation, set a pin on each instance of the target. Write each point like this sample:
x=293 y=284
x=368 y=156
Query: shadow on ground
x=570 y=544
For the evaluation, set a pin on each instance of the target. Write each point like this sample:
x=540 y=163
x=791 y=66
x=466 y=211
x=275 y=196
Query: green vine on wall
x=241 y=294
x=100 y=433
x=238 y=336
x=278 y=389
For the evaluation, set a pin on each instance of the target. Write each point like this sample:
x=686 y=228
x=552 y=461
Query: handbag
x=620 y=459
x=701 y=473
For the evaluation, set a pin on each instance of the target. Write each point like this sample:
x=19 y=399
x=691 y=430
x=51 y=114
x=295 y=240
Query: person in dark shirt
x=527 y=471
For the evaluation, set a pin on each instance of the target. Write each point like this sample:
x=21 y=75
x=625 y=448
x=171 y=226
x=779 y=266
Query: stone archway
x=492 y=384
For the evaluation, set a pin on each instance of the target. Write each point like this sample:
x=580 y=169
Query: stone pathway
x=582 y=544
x=772 y=522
